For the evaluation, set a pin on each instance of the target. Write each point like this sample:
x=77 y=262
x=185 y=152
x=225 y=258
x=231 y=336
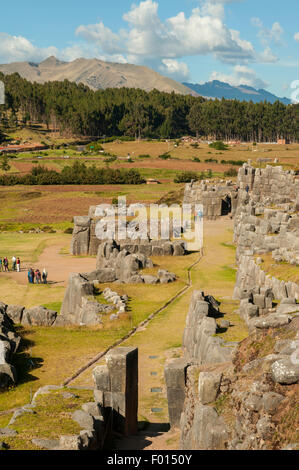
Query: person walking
x=32 y=275
x=6 y=264
x=29 y=274
x=14 y=263
x=45 y=276
x=1 y=265
x=18 y=264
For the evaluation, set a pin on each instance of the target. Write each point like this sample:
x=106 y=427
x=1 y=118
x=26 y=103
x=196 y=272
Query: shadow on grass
x=23 y=361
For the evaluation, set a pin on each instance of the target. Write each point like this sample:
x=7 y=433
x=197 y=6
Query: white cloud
x=267 y=56
x=147 y=37
x=178 y=70
x=241 y=75
x=18 y=48
x=99 y=34
x=267 y=35
x=296 y=37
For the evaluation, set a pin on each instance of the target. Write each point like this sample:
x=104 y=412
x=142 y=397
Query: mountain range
x=98 y=74
x=217 y=89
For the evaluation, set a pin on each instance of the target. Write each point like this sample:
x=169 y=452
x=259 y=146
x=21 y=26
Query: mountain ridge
x=96 y=74
x=217 y=89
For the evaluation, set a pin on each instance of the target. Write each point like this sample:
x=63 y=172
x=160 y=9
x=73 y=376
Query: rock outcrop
x=9 y=344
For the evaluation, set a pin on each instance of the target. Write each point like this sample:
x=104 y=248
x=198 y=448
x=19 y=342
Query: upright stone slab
x=118 y=382
x=175 y=378
x=81 y=236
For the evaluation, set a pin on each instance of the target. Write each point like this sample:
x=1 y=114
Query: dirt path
x=58 y=266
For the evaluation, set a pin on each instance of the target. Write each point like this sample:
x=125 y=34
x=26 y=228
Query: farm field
x=146 y=156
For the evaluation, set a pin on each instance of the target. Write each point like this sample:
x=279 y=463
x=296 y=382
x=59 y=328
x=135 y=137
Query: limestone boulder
x=285 y=371
x=38 y=316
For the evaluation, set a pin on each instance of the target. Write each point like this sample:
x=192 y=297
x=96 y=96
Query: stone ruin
x=9 y=345
x=86 y=242
x=217 y=200
x=113 y=413
x=200 y=346
x=258 y=386
x=113 y=265
x=116 y=390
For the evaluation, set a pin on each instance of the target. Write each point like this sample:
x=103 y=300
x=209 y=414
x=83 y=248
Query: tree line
x=74 y=109
x=78 y=173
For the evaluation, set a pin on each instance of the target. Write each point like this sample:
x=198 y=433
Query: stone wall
x=271 y=185
x=85 y=241
x=200 y=346
x=113 y=265
x=199 y=341
x=9 y=344
x=238 y=404
x=251 y=275
x=217 y=200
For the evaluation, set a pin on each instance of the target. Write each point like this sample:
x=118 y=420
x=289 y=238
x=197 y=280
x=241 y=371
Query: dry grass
x=283 y=270
x=52 y=419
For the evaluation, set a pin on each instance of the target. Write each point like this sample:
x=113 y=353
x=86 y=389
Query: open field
x=26 y=207
x=145 y=157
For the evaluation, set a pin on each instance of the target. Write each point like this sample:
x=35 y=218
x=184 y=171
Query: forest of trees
x=77 y=110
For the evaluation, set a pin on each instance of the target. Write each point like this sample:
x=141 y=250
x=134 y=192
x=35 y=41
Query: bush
x=218 y=145
x=233 y=162
x=165 y=156
x=186 y=177
x=110 y=159
x=231 y=172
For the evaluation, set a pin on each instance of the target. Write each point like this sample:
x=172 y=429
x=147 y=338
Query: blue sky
x=253 y=42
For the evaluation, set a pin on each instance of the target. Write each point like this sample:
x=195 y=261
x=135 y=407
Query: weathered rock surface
x=285 y=371
x=9 y=344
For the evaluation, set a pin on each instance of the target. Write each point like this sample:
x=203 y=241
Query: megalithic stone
x=122 y=364
x=175 y=378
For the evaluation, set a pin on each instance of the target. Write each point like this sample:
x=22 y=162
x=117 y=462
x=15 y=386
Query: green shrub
x=218 y=145
x=231 y=172
x=165 y=156
x=186 y=177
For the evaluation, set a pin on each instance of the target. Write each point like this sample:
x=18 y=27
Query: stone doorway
x=226 y=205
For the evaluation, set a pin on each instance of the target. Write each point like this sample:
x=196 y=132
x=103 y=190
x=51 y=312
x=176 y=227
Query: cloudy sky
x=251 y=42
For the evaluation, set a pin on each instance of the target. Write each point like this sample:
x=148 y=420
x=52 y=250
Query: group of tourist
x=4 y=264
x=37 y=277
x=34 y=277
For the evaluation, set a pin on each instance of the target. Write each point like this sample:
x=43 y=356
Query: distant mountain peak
x=51 y=61
x=96 y=74
x=218 y=90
